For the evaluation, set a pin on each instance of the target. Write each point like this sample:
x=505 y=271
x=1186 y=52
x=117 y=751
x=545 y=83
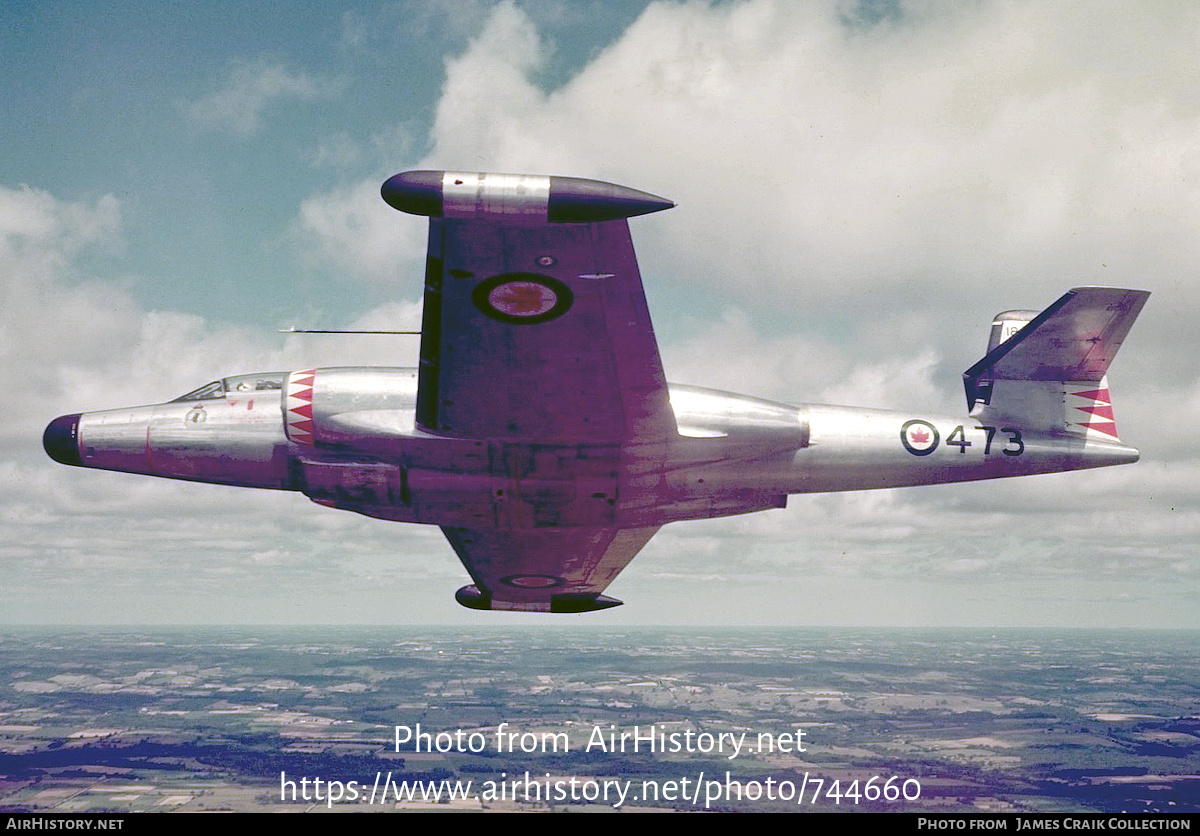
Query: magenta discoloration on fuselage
x=733 y=454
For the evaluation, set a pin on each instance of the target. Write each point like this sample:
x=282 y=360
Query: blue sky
x=212 y=122
x=860 y=187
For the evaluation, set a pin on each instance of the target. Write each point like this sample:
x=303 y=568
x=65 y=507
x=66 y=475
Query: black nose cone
x=61 y=440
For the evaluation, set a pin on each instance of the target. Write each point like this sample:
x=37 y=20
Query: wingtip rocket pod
x=516 y=197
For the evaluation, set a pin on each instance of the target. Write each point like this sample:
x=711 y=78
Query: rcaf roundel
x=919 y=437
x=522 y=298
x=533 y=581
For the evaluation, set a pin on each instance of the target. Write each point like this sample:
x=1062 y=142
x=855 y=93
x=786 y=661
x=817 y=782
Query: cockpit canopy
x=262 y=381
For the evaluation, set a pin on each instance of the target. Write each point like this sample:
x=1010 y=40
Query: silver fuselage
x=733 y=454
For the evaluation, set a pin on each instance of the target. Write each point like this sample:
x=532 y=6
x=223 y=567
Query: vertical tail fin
x=1048 y=371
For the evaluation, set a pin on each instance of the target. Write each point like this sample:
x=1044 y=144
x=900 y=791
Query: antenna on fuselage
x=294 y=330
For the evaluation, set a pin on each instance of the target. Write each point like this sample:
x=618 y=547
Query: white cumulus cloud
x=249 y=90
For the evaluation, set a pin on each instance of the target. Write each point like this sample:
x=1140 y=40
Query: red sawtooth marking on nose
x=299 y=407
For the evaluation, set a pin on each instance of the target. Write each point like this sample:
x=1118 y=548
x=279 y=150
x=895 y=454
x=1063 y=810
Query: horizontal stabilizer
x=1074 y=339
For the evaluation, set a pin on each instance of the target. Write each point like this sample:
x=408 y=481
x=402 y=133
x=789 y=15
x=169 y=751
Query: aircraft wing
x=536 y=339
x=534 y=328
x=554 y=569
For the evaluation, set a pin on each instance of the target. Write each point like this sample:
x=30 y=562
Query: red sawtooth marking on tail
x=1102 y=410
x=1095 y=395
x=1100 y=407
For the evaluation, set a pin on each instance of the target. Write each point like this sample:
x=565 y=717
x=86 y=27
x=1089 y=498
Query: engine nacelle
x=348 y=407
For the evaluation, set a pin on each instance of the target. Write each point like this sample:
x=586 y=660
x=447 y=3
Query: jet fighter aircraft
x=539 y=430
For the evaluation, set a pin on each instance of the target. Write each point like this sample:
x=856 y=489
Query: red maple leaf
x=918 y=436
x=520 y=299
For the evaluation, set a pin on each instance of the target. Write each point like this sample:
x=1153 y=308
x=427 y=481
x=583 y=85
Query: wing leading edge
x=537 y=340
